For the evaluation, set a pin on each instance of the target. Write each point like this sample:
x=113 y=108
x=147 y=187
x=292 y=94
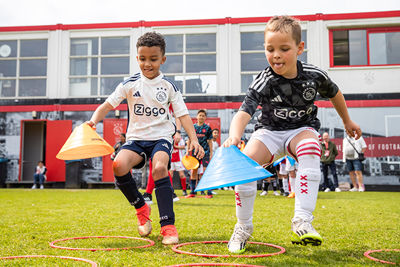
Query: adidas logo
x=165 y=145
x=277 y=99
x=137 y=94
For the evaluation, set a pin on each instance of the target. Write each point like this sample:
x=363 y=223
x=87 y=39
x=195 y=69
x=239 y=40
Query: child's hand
x=353 y=129
x=231 y=141
x=91 y=124
x=198 y=149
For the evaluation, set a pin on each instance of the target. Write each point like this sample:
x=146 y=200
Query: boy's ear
x=300 y=48
x=164 y=58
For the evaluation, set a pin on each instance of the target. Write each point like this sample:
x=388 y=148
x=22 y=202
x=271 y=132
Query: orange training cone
x=84 y=143
x=190 y=162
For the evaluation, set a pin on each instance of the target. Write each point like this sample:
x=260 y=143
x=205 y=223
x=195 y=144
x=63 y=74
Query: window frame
x=18 y=58
x=369 y=30
x=99 y=56
x=184 y=53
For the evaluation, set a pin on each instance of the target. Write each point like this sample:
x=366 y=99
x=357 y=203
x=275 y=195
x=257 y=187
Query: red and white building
x=52 y=77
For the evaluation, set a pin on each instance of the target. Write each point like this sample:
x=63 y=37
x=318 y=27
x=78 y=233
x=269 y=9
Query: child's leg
x=182 y=177
x=193 y=181
x=308 y=175
x=163 y=188
x=245 y=195
x=292 y=180
x=150 y=182
x=308 y=154
x=122 y=165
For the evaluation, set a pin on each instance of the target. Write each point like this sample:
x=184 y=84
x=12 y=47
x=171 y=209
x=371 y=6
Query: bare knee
x=159 y=171
x=118 y=168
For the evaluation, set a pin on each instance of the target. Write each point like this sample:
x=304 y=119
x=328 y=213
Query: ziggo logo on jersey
x=140 y=109
x=285 y=113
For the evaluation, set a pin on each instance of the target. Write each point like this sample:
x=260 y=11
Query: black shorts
x=147 y=149
x=205 y=160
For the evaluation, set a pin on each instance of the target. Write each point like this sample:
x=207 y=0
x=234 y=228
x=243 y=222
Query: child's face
x=150 y=60
x=215 y=135
x=201 y=117
x=281 y=51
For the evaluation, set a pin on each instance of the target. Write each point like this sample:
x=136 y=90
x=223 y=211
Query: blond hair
x=285 y=24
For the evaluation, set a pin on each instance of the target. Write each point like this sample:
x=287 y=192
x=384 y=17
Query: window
x=97 y=65
x=23 y=68
x=365 y=47
x=191 y=62
x=252 y=56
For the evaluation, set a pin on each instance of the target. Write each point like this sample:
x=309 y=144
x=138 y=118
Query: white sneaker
x=34 y=186
x=361 y=188
x=337 y=189
x=239 y=238
x=214 y=193
x=226 y=188
x=41 y=186
x=175 y=198
x=276 y=193
x=264 y=193
x=327 y=190
x=303 y=233
x=353 y=189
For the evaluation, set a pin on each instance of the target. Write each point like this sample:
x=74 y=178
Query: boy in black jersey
x=286 y=91
x=204 y=135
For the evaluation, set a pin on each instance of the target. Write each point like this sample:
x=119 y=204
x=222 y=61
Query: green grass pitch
x=349 y=222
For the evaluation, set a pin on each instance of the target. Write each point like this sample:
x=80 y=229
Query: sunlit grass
x=350 y=223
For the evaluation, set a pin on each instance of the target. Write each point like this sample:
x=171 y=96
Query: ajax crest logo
x=309 y=91
x=161 y=95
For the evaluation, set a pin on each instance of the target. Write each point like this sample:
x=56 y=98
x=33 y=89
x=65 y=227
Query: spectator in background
x=40 y=175
x=328 y=155
x=215 y=135
x=351 y=150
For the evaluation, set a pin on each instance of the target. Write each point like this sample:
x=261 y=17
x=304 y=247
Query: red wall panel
x=57 y=133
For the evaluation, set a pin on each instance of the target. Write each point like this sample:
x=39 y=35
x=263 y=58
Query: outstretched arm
x=100 y=113
x=352 y=128
x=239 y=122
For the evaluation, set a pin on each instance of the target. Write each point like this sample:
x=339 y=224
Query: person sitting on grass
x=149 y=133
x=288 y=124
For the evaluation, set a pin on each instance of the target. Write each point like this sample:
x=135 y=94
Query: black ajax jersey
x=204 y=133
x=288 y=103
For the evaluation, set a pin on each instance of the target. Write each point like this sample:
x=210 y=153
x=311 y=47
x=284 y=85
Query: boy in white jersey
x=149 y=133
x=288 y=124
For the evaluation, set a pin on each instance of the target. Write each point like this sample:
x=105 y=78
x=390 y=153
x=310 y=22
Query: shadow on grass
x=203 y=204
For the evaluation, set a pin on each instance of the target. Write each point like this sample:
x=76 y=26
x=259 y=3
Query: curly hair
x=150 y=39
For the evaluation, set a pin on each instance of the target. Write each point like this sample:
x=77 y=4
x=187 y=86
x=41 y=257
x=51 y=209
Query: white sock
x=245 y=194
x=292 y=184
x=285 y=183
x=307 y=179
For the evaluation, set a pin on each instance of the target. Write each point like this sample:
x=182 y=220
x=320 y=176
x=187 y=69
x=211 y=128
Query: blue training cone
x=229 y=167
x=291 y=160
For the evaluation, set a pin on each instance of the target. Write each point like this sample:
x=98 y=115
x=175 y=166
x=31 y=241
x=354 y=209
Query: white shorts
x=177 y=166
x=284 y=168
x=277 y=142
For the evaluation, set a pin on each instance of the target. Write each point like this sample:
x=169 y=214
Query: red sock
x=150 y=181
x=170 y=178
x=183 y=183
